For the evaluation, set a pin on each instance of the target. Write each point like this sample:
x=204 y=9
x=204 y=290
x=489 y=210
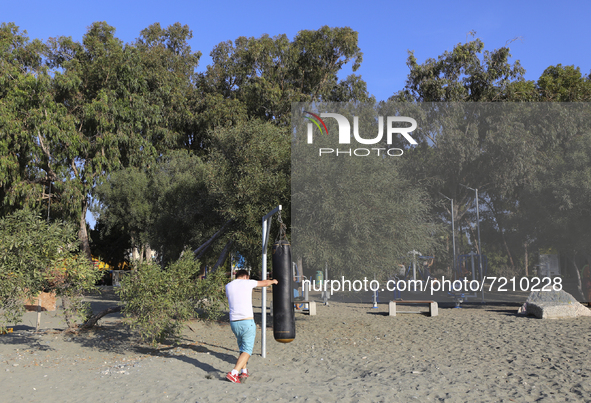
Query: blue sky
x=548 y=33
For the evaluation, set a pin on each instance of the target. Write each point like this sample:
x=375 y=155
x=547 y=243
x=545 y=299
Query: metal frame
x=266 y=231
x=478 y=226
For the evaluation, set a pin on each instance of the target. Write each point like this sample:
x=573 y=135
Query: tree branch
x=223 y=256
x=50 y=173
x=200 y=251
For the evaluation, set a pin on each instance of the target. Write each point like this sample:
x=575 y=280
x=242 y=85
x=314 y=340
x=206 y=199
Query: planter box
x=46 y=300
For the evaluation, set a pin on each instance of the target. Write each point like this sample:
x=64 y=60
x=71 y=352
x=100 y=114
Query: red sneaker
x=232 y=378
x=244 y=374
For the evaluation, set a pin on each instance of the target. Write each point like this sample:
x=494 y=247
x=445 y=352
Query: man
x=239 y=294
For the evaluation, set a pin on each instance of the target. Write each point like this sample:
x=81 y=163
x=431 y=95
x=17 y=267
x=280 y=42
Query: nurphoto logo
x=344 y=136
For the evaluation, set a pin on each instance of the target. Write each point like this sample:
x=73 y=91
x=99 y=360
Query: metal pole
x=375 y=296
x=266 y=230
x=414 y=263
x=325 y=279
x=479 y=243
x=453 y=234
x=264 y=294
x=453 y=231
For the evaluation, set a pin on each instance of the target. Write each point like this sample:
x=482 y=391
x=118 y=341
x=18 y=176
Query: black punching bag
x=283 y=314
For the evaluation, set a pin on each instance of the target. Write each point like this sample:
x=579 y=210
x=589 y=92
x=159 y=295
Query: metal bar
x=266 y=231
x=479 y=244
x=453 y=232
x=264 y=294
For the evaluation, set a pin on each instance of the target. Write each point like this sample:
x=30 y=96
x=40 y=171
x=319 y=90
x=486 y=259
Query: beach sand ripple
x=349 y=352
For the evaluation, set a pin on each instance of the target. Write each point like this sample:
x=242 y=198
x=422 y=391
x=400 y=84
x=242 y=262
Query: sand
x=348 y=352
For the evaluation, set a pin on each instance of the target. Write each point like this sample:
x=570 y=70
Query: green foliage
x=248 y=174
x=268 y=74
x=561 y=194
x=36 y=256
x=28 y=117
x=233 y=122
x=210 y=295
x=461 y=75
x=71 y=113
x=183 y=199
x=126 y=204
x=361 y=215
x=521 y=156
x=185 y=213
x=564 y=84
x=158 y=302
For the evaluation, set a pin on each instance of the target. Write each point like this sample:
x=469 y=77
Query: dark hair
x=241 y=273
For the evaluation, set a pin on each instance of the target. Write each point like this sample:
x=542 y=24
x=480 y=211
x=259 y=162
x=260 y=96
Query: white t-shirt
x=239 y=293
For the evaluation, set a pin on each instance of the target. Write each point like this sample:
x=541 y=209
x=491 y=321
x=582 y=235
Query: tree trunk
x=223 y=256
x=66 y=309
x=578 y=277
x=141 y=255
x=200 y=251
x=95 y=318
x=449 y=267
x=501 y=226
x=82 y=233
x=474 y=239
x=526 y=259
x=508 y=252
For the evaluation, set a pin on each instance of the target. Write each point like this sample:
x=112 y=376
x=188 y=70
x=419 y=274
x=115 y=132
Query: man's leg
x=242 y=361
x=246 y=346
x=245 y=332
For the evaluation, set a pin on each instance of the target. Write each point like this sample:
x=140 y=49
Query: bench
x=433 y=308
x=311 y=306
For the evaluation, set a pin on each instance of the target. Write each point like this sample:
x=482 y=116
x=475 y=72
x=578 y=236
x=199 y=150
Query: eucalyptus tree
x=123 y=103
x=242 y=111
x=505 y=148
x=30 y=121
x=231 y=122
x=477 y=146
x=269 y=74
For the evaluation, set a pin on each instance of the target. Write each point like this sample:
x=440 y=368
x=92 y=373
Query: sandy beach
x=348 y=352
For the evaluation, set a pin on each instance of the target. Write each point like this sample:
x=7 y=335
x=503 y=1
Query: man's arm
x=266 y=283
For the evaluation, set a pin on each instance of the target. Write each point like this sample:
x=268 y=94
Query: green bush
x=158 y=302
x=38 y=256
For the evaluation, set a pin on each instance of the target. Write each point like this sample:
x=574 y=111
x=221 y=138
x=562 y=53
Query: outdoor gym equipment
x=266 y=231
x=283 y=315
x=414 y=269
x=375 y=296
x=325 y=293
x=474 y=265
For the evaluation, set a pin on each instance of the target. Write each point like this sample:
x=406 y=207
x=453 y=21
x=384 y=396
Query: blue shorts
x=245 y=331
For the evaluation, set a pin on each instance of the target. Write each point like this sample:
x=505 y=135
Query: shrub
x=159 y=301
x=38 y=256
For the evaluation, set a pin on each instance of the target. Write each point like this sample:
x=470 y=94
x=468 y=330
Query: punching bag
x=283 y=314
